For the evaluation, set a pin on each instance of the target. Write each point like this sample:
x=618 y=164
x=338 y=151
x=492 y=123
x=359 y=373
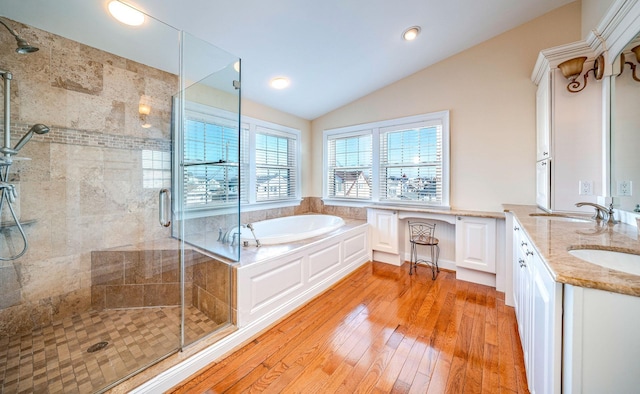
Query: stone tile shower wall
x=83 y=186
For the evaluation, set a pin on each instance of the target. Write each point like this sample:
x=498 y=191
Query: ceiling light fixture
x=411 y=33
x=279 y=82
x=126 y=14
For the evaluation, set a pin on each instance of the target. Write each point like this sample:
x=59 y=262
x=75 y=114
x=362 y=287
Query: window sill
x=346 y=203
x=245 y=207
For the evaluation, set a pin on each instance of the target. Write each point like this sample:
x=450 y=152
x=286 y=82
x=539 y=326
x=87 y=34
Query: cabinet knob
x=545 y=153
x=544 y=163
x=523 y=243
x=516 y=228
x=522 y=263
x=529 y=253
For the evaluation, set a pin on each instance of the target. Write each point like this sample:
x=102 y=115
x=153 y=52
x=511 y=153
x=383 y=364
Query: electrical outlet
x=624 y=188
x=586 y=188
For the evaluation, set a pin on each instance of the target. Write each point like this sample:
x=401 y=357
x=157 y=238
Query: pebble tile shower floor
x=54 y=358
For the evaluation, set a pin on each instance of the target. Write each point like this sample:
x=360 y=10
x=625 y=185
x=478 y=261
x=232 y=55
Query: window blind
x=276 y=164
x=211 y=167
x=349 y=166
x=411 y=164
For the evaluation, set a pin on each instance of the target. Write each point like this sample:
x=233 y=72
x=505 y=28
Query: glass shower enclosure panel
x=207 y=175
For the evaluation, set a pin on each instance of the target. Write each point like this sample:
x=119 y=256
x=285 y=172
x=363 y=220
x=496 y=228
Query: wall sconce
x=636 y=51
x=571 y=69
x=144 y=110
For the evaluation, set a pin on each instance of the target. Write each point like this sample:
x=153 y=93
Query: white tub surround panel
x=269 y=289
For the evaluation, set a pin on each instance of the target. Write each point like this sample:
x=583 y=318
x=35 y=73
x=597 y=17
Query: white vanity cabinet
x=476 y=243
x=569 y=132
x=543 y=119
x=384 y=230
x=384 y=236
x=538 y=305
x=546 y=330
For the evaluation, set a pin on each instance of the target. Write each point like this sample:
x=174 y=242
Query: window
x=349 y=166
x=210 y=162
x=276 y=167
x=257 y=166
x=156 y=169
x=401 y=161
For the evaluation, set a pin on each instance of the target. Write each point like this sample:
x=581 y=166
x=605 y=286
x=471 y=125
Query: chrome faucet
x=250 y=227
x=602 y=212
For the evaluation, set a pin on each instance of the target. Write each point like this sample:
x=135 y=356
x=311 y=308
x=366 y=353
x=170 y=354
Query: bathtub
x=291 y=228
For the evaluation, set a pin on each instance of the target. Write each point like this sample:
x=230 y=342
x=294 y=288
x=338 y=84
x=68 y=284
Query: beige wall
x=592 y=13
x=492 y=101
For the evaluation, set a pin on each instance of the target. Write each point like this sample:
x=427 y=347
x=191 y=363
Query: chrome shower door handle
x=164 y=198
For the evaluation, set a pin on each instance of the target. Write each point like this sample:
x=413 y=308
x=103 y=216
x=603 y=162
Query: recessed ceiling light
x=126 y=14
x=279 y=82
x=411 y=33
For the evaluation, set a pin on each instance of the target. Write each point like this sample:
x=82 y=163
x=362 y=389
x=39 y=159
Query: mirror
x=625 y=129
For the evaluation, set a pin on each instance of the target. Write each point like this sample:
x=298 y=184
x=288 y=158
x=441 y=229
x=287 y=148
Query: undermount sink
x=619 y=261
x=560 y=216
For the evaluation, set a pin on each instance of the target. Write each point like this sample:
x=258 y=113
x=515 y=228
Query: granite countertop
x=452 y=211
x=553 y=239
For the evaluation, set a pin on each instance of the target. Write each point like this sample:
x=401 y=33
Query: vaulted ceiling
x=333 y=51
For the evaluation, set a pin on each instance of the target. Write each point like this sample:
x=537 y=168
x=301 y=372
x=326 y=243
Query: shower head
x=36 y=128
x=23 y=45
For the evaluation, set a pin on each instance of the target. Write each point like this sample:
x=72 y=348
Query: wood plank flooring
x=381 y=331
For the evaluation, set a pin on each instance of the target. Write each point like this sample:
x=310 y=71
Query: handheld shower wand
x=37 y=128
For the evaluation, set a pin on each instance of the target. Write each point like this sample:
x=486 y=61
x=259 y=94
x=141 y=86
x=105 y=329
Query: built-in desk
x=471 y=242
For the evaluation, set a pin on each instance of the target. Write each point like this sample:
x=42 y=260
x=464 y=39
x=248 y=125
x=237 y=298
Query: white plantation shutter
x=349 y=166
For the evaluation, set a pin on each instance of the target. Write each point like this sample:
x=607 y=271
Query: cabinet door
x=476 y=243
x=543 y=119
x=526 y=318
x=384 y=230
x=546 y=331
x=543 y=184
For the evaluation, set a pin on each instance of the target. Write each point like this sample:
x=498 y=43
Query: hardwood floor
x=381 y=331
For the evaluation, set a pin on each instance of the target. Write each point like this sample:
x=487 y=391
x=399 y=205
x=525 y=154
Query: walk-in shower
x=103 y=291
x=8 y=192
